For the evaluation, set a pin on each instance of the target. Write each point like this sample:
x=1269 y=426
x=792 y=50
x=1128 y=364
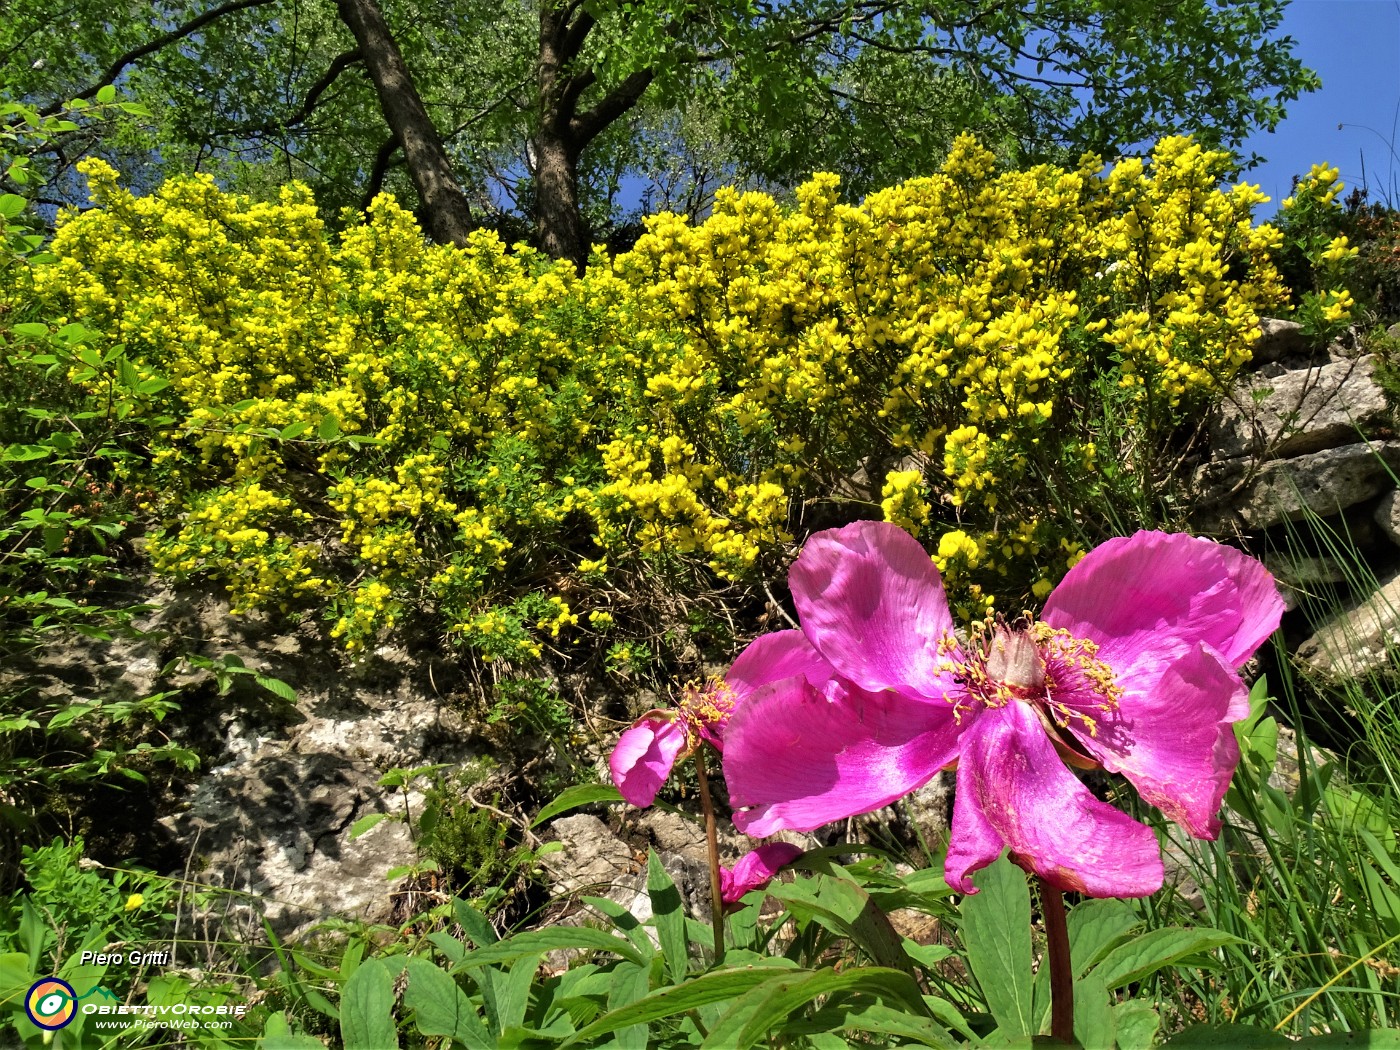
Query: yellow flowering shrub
x=383 y=427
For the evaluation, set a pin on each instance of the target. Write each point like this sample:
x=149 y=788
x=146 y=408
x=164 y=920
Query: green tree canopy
x=530 y=113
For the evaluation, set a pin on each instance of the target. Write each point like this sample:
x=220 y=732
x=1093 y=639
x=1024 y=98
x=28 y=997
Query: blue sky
x=1354 y=45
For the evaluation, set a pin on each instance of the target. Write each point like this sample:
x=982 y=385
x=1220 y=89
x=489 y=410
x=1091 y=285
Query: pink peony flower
x=646 y=753
x=755 y=870
x=1132 y=667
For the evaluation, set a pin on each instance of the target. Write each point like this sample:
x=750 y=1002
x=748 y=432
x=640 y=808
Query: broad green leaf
x=669 y=917
x=277 y=1034
x=1153 y=950
x=630 y=983
x=106 y=94
x=844 y=907
x=1093 y=1014
x=11 y=204
x=25 y=453
x=367 y=1009
x=559 y=938
x=1095 y=926
x=477 y=926
x=574 y=797
x=440 y=1007
x=872 y=1017
x=15 y=974
x=1136 y=1024
x=329 y=428
x=996 y=929
x=623 y=920
x=715 y=987
x=276 y=687
x=1227 y=1037
x=365 y=823
x=513 y=992
x=454 y=950
x=754 y=1014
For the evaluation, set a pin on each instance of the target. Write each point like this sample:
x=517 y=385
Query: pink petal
x=1014 y=790
x=798 y=758
x=755 y=870
x=773 y=657
x=1134 y=594
x=872 y=604
x=1171 y=735
x=643 y=758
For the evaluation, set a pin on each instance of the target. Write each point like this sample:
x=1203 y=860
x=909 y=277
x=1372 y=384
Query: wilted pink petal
x=1171 y=736
x=871 y=602
x=643 y=758
x=773 y=657
x=1136 y=594
x=755 y=869
x=796 y=757
x=1014 y=790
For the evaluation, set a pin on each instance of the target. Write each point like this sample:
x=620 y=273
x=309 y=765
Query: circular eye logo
x=51 y=1003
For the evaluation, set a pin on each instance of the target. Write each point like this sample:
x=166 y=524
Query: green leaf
x=106 y=94
x=842 y=906
x=477 y=926
x=277 y=1034
x=1093 y=1015
x=574 y=797
x=440 y=1007
x=329 y=428
x=668 y=916
x=276 y=687
x=560 y=938
x=1227 y=1037
x=154 y=385
x=25 y=453
x=367 y=1009
x=996 y=930
x=773 y=1002
x=367 y=822
x=11 y=204
x=1095 y=926
x=1136 y=1024
x=719 y=986
x=872 y=1017
x=1153 y=950
x=630 y=983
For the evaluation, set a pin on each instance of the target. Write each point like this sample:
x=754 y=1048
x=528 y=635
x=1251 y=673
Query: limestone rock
x=1302 y=410
x=1279 y=339
x=1300 y=575
x=1360 y=641
x=1320 y=483
x=1387 y=516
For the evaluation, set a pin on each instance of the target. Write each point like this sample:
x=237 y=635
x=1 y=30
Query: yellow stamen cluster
x=706 y=705
x=1002 y=664
x=1061 y=648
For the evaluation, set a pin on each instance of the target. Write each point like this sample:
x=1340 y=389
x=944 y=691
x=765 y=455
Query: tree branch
x=194 y=25
x=586 y=126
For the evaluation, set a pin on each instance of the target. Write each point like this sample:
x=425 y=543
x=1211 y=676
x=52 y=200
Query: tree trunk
x=558 y=220
x=564 y=131
x=445 y=209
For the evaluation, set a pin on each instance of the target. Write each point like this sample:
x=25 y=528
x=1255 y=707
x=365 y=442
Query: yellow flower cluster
x=381 y=425
x=904 y=500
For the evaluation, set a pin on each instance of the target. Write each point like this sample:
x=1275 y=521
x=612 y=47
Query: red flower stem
x=712 y=841
x=1061 y=973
